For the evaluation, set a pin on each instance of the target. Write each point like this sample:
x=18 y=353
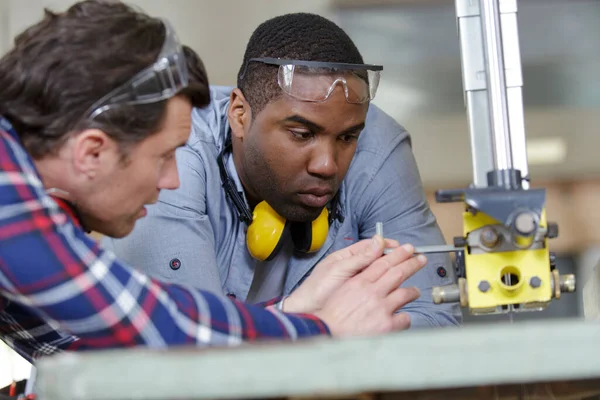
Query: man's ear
x=238 y=113
x=92 y=149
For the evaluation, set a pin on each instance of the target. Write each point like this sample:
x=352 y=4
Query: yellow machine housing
x=493 y=267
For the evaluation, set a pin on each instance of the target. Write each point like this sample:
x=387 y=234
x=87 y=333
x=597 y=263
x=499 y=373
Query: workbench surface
x=419 y=360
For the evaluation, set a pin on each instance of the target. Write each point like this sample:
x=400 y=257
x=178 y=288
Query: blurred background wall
x=416 y=41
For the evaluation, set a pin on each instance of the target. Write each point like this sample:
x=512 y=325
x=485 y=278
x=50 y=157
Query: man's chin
x=301 y=213
x=116 y=231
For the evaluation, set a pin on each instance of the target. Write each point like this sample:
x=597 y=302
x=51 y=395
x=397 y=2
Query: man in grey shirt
x=296 y=137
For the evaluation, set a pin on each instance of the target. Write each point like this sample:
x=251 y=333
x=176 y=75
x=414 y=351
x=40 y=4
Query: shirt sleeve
x=52 y=267
x=175 y=241
x=395 y=196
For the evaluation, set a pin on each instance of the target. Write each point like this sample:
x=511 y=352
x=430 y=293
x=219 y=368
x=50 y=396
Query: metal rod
x=496 y=83
x=442 y=248
x=432 y=249
x=379 y=229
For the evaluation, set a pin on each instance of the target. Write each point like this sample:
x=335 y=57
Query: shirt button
x=175 y=264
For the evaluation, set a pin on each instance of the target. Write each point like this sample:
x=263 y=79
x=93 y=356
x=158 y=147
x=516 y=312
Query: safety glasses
x=160 y=81
x=314 y=81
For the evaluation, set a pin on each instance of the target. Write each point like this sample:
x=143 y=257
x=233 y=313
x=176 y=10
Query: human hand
x=331 y=273
x=367 y=303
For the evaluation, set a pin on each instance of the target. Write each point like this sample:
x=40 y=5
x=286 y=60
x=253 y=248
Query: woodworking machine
x=503 y=260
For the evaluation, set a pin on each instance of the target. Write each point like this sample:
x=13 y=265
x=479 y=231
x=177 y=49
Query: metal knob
x=451 y=293
x=445 y=294
x=526 y=223
x=567 y=283
x=489 y=237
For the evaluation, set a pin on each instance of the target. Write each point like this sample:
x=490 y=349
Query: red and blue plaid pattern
x=54 y=279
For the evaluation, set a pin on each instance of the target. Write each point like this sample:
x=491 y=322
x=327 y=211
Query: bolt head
x=535 y=282
x=489 y=237
x=526 y=223
x=483 y=286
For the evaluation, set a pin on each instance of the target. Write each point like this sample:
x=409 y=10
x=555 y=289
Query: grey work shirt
x=193 y=234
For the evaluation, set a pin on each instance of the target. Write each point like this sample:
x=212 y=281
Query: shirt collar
x=7 y=127
x=69 y=209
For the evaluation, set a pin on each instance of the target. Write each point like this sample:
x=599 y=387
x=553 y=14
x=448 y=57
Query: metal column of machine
x=504 y=263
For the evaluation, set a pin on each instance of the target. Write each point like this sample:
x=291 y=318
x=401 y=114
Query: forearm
x=52 y=268
x=86 y=292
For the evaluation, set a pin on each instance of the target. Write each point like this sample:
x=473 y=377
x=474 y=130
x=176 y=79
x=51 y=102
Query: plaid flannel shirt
x=60 y=291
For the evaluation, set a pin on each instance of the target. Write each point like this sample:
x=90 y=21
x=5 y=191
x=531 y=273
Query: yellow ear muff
x=309 y=237
x=265 y=231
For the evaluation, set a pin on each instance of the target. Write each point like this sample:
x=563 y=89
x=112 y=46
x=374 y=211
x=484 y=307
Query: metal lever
x=421 y=249
x=442 y=248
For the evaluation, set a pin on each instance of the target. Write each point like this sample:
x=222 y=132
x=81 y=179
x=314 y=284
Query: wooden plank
x=419 y=360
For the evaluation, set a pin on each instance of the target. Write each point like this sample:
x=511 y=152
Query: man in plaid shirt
x=93 y=104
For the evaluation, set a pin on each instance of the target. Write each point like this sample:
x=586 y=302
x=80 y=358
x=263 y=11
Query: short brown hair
x=66 y=62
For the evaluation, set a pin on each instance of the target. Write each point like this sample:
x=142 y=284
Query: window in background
x=421 y=85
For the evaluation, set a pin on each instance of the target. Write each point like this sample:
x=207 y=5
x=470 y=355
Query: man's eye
x=349 y=138
x=302 y=135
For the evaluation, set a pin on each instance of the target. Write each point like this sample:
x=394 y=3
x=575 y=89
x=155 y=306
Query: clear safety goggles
x=160 y=81
x=314 y=81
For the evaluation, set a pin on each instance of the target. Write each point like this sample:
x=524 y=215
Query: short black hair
x=300 y=36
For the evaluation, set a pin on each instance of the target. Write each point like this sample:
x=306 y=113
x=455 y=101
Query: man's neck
x=56 y=183
x=52 y=171
x=251 y=197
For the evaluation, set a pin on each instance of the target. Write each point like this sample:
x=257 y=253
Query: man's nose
x=170 y=177
x=323 y=161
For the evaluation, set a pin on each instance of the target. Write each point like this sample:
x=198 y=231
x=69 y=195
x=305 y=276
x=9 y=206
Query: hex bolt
x=535 y=282
x=489 y=237
x=483 y=286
